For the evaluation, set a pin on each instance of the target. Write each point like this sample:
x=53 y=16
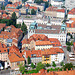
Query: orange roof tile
x=52 y=51
x=13 y=57
x=3 y=50
x=55 y=42
x=27 y=5
x=72 y=25
x=72 y=11
x=43 y=43
x=12 y=10
x=51 y=8
x=29 y=53
x=39 y=37
x=32 y=7
x=61 y=10
x=72 y=19
x=4 y=15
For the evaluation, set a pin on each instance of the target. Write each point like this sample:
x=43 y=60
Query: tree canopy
x=29 y=60
x=39 y=66
x=24 y=28
x=32 y=65
x=33 y=12
x=3 y=7
x=21 y=68
x=13 y=19
x=68 y=66
x=53 y=64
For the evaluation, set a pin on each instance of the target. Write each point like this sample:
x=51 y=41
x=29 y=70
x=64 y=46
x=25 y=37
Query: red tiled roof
x=61 y=10
x=14 y=5
x=72 y=11
x=12 y=10
x=29 y=53
x=55 y=42
x=13 y=57
x=32 y=7
x=3 y=50
x=51 y=8
x=43 y=43
x=72 y=25
x=39 y=53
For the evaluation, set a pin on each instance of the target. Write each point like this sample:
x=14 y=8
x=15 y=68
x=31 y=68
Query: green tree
x=9 y=2
x=38 y=1
x=39 y=66
x=68 y=66
x=46 y=4
x=32 y=65
x=69 y=48
x=33 y=12
x=50 y=5
x=53 y=64
x=18 y=25
x=71 y=43
x=24 y=28
x=47 y=65
x=3 y=7
x=62 y=63
x=29 y=60
x=21 y=68
x=68 y=43
x=13 y=19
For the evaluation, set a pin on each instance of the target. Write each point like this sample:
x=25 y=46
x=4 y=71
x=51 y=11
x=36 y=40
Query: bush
x=62 y=63
x=31 y=71
x=69 y=48
x=68 y=66
x=47 y=65
x=40 y=66
x=32 y=65
x=53 y=64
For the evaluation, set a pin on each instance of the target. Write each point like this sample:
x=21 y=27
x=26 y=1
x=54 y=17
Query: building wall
x=29 y=21
x=61 y=37
x=32 y=44
x=36 y=59
x=38 y=6
x=46 y=60
x=3 y=56
x=51 y=13
x=71 y=16
x=57 y=58
x=40 y=47
x=60 y=14
x=10 y=12
x=14 y=65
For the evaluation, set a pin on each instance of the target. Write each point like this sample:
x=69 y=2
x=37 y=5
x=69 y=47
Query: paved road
x=5 y=72
x=65 y=52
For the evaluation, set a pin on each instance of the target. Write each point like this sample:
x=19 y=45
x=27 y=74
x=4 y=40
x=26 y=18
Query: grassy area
x=56 y=69
x=31 y=71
